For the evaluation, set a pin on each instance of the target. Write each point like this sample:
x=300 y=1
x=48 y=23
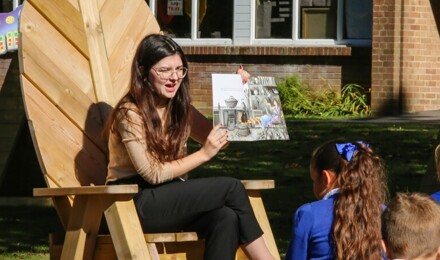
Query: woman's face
x=166 y=76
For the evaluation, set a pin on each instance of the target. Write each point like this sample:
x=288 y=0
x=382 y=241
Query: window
x=273 y=19
x=9 y=5
x=314 y=21
x=212 y=19
x=265 y=22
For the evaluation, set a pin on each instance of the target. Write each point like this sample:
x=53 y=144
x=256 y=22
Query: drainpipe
x=14 y=4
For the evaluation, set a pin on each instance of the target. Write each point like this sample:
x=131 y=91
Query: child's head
x=359 y=174
x=411 y=227
x=331 y=159
x=326 y=164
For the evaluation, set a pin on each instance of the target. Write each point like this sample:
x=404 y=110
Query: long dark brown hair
x=356 y=230
x=165 y=142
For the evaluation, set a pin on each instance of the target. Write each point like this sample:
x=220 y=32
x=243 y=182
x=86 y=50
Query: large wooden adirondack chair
x=75 y=59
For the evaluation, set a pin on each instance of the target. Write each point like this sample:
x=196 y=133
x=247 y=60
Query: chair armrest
x=86 y=190
x=128 y=189
x=258 y=184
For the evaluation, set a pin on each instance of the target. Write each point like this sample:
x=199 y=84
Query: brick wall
x=318 y=67
x=7 y=123
x=5 y=62
x=19 y=168
x=405 y=56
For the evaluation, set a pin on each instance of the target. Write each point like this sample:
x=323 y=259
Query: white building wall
x=242 y=22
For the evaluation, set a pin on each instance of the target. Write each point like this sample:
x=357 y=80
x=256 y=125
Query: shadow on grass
x=25 y=229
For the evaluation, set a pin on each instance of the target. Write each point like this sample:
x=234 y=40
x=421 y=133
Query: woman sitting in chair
x=148 y=132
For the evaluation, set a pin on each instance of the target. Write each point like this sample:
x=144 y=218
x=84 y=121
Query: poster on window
x=9 y=30
x=175 y=7
x=250 y=111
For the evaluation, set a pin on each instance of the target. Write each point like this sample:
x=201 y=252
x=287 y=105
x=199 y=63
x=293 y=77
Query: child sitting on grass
x=411 y=227
x=348 y=180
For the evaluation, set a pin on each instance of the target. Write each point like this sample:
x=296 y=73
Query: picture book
x=250 y=111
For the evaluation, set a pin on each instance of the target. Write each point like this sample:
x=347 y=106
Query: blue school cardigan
x=312 y=230
x=436 y=196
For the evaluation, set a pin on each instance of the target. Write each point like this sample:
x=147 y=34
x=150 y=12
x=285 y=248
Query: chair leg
x=260 y=214
x=82 y=228
x=152 y=249
x=126 y=232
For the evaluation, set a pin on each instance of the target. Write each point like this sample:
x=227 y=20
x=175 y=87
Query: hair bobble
x=347 y=150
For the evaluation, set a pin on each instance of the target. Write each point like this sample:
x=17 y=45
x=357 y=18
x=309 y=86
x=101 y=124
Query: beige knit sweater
x=128 y=151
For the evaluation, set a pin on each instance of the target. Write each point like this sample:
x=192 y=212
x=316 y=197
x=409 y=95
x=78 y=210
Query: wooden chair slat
x=62 y=144
x=186 y=236
x=58 y=238
x=86 y=190
x=98 y=54
x=66 y=18
x=114 y=15
x=48 y=79
x=51 y=50
x=258 y=184
x=121 y=53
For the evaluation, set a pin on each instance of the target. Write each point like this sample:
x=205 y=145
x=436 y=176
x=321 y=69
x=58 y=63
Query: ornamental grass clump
x=301 y=101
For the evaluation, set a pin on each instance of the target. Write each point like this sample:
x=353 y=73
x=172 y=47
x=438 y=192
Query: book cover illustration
x=251 y=111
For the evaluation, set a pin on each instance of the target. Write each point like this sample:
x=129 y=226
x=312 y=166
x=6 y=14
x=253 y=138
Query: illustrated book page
x=250 y=111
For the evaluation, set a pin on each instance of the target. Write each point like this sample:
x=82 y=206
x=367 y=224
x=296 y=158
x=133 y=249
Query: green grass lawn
x=406 y=149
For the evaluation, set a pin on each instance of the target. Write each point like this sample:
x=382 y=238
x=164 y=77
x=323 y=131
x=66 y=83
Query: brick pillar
x=385 y=71
x=406 y=56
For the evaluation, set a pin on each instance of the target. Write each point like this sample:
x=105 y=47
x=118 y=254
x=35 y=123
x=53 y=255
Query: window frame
x=194 y=40
x=253 y=41
x=295 y=40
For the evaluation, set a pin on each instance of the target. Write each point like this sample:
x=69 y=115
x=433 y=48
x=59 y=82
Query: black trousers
x=217 y=208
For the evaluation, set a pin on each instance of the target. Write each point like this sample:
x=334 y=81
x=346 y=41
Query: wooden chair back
x=75 y=64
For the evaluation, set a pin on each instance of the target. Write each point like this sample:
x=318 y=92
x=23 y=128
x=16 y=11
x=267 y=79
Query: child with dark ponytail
x=345 y=223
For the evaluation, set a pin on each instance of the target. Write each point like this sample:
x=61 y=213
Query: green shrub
x=301 y=101
x=354 y=101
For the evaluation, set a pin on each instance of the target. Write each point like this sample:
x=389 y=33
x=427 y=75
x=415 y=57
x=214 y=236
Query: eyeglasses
x=166 y=73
